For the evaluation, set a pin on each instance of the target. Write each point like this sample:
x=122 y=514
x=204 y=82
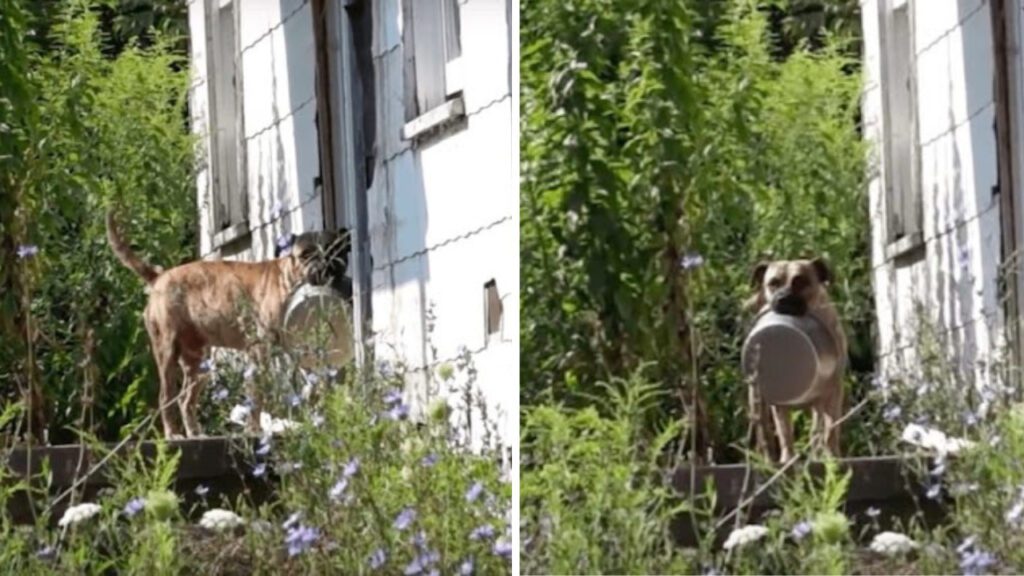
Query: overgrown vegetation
x=83 y=130
x=959 y=427
x=359 y=487
x=665 y=150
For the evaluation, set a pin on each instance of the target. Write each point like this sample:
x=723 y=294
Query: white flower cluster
x=892 y=544
x=268 y=423
x=742 y=536
x=77 y=514
x=219 y=519
x=932 y=439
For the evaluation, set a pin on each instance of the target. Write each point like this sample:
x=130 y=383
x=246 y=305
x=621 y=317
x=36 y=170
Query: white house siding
x=956 y=280
x=443 y=211
x=278 y=72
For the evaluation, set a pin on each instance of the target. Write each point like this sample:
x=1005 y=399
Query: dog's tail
x=148 y=272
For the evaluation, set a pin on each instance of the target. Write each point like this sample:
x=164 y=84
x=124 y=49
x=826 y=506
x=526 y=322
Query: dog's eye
x=799 y=281
x=775 y=282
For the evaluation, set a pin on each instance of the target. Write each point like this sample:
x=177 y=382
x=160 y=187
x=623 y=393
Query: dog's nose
x=785 y=302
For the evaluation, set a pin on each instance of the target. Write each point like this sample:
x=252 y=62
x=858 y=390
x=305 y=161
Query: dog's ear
x=757 y=274
x=821 y=270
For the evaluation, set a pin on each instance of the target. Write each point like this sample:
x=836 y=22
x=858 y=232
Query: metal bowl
x=789 y=357
x=317 y=321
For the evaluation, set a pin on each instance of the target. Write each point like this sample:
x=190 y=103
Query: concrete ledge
x=221 y=464
x=887 y=483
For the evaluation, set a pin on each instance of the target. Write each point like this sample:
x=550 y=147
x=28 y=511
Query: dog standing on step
x=203 y=304
x=798 y=288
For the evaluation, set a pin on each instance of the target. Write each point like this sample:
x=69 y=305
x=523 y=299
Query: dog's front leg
x=827 y=411
x=258 y=354
x=784 y=429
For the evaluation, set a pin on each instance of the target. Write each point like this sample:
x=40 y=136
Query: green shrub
x=653 y=133
x=85 y=131
x=593 y=497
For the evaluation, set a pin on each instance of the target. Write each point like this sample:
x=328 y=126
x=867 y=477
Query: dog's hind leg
x=193 y=391
x=167 y=367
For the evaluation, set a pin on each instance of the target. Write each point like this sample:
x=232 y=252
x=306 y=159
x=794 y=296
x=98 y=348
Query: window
x=433 y=75
x=903 y=195
x=227 y=149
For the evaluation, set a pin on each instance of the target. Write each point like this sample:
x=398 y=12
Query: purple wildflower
x=801 y=530
x=482 y=532
x=399 y=412
x=405 y=519
x=378 y=558
x=134 y=506
x=316 y=420
x=351 y=468
x=206 y=365
x=284 y=241
x=422 y=562
x=300 y=539
x=503 y=548
x=259 y=470
x=294 y=400
x=46 y=553
x=691 y=260
x=264 y=446
x=964 y=258
x=474 y=491
x=892 y=412
x=392 y=397
x=429 y=460
x=249 y=372
x=338 y=490
x=278 y=209
x=220 y=394
x=466 y=568
x=202 y=490
x=27 y=251
x=976 y=562
x=934 y=491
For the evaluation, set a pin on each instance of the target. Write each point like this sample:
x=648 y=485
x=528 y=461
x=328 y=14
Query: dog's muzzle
x=785 y=302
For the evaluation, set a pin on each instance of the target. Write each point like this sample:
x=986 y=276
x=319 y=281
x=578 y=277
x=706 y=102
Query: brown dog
x=202 y=304
x=799 y=287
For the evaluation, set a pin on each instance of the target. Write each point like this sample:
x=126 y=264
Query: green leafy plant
x=84 y=130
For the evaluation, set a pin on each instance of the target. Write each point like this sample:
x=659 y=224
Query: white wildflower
x=745 y=535
x=932 y=439
x=268 y=423
x=239 y=413
x=892 y=544
x=219 y=519
x=77 y=514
